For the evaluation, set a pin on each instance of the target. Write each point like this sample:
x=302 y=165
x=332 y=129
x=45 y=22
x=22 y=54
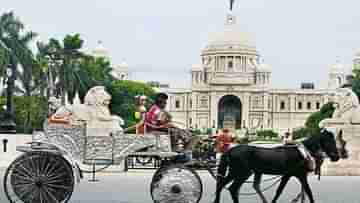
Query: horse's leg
x=221 y=183
x=306 y=186
x=235 y=187
x=256 y=186
x=284 y=181
x=300 y=196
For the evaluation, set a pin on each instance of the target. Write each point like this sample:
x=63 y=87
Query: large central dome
x=231 y=39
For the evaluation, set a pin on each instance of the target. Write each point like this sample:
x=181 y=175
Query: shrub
x=267 y=134
x=30 y=112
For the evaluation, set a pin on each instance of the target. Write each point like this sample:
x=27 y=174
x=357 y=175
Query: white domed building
x=120 y=71
x=232 y=89
x=337 y=75
x=101 y=51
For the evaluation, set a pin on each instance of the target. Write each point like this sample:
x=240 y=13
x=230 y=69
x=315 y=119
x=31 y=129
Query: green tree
x=123 y=93
x=355 y=82
x=14 y=44
x=72 y=78
x=96 y=70
x=312 y=122
x=3 y=61
x=23 y=105
x=314 y=119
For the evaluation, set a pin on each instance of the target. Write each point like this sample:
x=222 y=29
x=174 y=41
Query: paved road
x=133 y=187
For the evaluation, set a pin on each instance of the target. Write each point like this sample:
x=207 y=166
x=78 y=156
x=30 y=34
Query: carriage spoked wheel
x=39 y=177
x=176 y=183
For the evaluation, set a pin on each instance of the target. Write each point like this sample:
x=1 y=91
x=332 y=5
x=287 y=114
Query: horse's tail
x=223 y=165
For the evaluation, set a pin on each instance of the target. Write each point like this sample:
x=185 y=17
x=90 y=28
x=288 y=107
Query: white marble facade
x=231 y=68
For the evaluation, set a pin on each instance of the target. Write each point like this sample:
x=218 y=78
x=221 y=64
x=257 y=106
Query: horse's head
x=332 y=145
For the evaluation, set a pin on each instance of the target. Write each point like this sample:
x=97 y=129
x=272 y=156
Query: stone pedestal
x=350 y=166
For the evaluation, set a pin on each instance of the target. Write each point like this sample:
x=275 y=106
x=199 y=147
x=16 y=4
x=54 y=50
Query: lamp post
x=7 y=123
x=50 y=87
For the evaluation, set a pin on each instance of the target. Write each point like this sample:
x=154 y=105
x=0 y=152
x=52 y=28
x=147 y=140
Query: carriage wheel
x=39 y=177
x=176 y=183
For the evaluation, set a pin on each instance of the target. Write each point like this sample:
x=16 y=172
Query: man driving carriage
x=158 y=121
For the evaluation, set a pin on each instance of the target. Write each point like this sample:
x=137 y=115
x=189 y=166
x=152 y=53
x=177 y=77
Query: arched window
x=309 y=105
x=177 y=104
x=339 y=80
x=317 y=105
x=299 y=105
x=230 y=66
x=282 y=105
x=5 y=141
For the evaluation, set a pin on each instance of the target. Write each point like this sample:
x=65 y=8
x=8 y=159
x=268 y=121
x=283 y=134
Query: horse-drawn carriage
x=56 y=159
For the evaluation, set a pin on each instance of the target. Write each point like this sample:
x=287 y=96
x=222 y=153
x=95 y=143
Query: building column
x=214 y=100
x=291 y=111
x=245 y=100
x=266 y=110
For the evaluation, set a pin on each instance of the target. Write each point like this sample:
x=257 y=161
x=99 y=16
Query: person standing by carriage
x=223 y=142
x=287 y=138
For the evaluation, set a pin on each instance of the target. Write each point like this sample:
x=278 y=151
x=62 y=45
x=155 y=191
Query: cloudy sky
x=161 y=39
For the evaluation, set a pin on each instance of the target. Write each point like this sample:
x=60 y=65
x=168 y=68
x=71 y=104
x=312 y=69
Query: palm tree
x=14 y=42
x=71 y=75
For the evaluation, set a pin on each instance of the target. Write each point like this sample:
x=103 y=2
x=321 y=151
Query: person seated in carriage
x=158 y=121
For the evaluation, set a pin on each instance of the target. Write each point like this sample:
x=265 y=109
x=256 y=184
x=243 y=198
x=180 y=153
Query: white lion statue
x=95 y=112
x=347 y=108
x=346 y=105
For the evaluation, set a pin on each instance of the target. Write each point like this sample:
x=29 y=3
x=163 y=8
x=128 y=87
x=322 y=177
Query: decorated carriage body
x=54 y=161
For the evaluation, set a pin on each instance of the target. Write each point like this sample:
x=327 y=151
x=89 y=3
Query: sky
x=161 y=39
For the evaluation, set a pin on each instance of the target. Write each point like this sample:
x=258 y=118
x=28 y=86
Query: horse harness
x=315 y=159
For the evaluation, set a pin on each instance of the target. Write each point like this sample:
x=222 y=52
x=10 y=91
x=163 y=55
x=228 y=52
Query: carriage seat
x=144 y=127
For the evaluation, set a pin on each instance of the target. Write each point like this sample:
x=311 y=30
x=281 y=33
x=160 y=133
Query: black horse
x=243 y=161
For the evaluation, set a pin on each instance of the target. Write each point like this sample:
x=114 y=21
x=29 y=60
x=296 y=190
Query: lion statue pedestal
x=346 y=119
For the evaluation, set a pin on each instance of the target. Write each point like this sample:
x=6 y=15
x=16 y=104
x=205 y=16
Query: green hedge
x=30 y=112
x=266 y=135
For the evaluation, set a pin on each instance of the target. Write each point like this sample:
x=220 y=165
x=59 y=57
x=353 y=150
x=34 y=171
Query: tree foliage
x=62 y=64
x=15 y=53
x=123 y=93
x=312 y=123
x=25 y=106
x=355 y=82
x=314 y=119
